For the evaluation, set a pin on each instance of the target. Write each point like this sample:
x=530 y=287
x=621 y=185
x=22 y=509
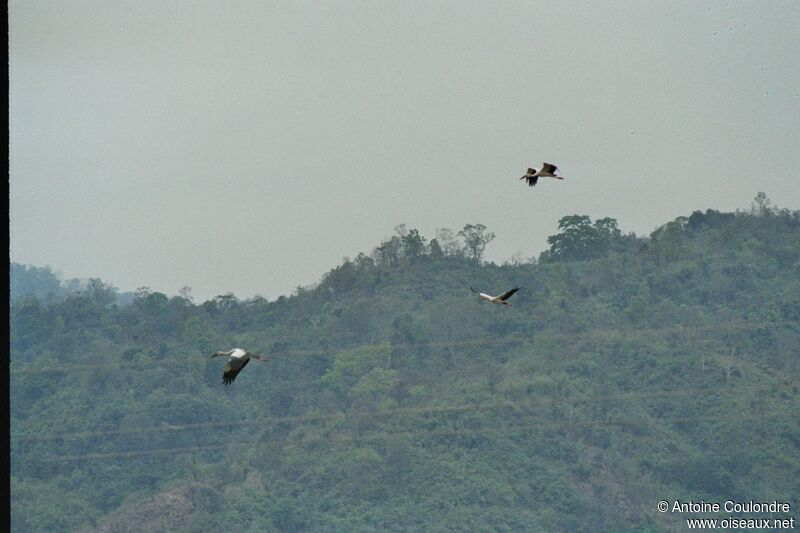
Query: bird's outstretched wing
x=232 y=370
x=473 y=290
x=506 y=295
x=550 y=168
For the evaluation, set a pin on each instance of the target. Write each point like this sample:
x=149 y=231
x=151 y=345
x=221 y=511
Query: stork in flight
x=502 y=299
x=237 y=360
x=547 y=171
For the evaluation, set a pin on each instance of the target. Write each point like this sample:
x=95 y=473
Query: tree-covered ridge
x=629 y=370
x=28 y=280
x=44 y=284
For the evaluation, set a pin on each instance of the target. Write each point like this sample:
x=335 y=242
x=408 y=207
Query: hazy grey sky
x=249 y=146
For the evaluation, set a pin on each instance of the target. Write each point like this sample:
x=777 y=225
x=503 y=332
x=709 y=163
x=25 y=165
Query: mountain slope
x=627 y=370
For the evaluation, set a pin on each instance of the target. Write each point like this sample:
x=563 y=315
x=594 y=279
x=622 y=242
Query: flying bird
x=547 y=171
x=237 y=360
x=502 y=299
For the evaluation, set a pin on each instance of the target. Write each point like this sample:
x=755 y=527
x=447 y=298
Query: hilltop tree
x=580 y=239
x=413 y=244
x=668 y=240
x=762 y=206
x=343 y=278
x=37 y=281
x=435 y=250
x=448 y=242
x=101 y=293
x=388 y=252
x=475 y=240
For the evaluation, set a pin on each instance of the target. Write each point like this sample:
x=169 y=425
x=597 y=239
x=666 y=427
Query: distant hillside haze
x=629 y=370
x=28 y=280
x=44 y=284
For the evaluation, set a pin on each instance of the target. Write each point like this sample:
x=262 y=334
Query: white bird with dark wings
x=501 y=299
x=547 y=171
x=237 y=360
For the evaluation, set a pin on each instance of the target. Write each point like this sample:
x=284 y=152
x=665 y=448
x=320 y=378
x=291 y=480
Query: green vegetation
x=44 y=284
x=628 y=370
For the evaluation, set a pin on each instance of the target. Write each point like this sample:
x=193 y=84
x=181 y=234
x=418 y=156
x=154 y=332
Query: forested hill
x=628 y=370
x=44 y=284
